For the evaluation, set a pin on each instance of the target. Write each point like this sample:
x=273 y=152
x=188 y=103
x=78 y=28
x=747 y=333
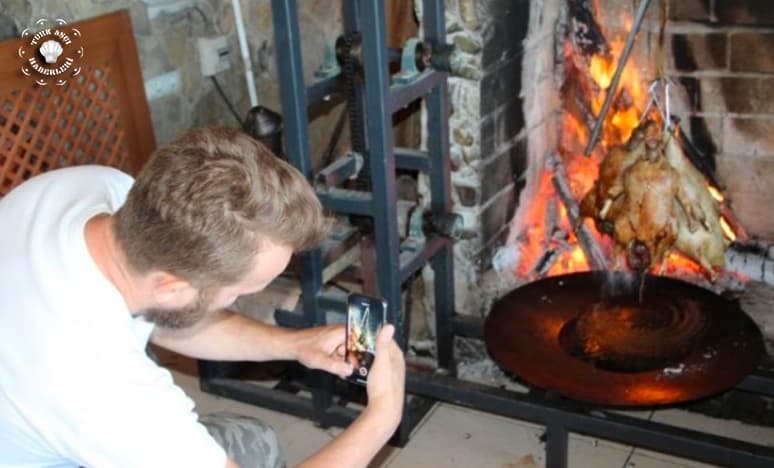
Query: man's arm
x=232 y=337
x=357 y=446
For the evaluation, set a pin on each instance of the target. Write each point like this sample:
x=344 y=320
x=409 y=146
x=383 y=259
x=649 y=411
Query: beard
x=185 y=317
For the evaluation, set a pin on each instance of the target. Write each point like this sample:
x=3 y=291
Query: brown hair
x=203 y=203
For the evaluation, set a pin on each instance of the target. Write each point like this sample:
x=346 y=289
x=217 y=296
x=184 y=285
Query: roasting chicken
x=706 y=245
x=651 y=199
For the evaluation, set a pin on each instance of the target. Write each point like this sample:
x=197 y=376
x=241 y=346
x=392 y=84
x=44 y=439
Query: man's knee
x=247 y=441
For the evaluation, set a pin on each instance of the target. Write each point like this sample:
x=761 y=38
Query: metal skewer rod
x=611 y=91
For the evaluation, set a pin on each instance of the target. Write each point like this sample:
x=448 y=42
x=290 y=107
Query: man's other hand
x=387 y=379
x=323 y=348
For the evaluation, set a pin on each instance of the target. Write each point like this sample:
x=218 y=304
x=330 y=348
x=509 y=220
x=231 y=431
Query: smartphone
x=365 y=317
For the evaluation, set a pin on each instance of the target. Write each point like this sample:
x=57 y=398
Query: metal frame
x=326 y=405
x=376 y=101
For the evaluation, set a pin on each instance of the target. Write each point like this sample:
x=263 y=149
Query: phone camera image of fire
x=361 y=339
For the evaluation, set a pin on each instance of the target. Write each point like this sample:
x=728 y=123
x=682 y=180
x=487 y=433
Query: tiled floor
x=452 y=436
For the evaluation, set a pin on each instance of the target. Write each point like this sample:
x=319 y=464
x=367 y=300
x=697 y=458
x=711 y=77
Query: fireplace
x=509 y=113
x=523 y=124
x=718 y=90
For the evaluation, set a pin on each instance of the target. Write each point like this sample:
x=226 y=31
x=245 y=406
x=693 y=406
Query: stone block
x=747 y=95
x=497 y=214
x=8 y=29
x=501 y=126
x=751 y=52
x=464 y=98
x=462 y=137
x=469 y=14
x=692 y=92
x=706 y=134
x=467 y=42
x=502 y=170
x=749 y=190
x=751 y=12
x=748 y=137
x=484 y=256
x=504 y=31
x=500 y=85
x=689 y=10
x=496 y=174
x=694 y=52
x=468 y=196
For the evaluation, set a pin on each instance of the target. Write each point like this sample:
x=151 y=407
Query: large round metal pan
x=615 y=339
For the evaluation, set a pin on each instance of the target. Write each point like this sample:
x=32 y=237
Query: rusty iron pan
x=619 y=339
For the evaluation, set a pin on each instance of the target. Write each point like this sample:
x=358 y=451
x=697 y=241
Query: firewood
x=752 y=264
x=592 y=250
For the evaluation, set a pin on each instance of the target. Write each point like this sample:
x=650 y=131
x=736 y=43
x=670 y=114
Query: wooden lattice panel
x=43 y=128
x=99 y=117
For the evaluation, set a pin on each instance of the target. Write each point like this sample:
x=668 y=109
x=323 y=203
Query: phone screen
x=365 y=317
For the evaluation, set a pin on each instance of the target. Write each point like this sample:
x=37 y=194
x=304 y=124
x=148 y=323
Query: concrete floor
x=452 y=436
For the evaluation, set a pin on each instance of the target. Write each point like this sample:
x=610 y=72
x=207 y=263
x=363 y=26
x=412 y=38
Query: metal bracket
x=330 y=66
x=414 y=59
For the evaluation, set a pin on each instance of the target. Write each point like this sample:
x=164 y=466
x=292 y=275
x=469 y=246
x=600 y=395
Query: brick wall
x=503 y=146
x=722 y=55
x=486 y=125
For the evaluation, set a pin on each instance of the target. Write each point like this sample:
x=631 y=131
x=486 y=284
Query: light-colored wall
x=166 y=41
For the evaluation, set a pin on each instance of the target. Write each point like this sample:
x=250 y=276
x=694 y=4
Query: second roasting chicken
x=651 y=199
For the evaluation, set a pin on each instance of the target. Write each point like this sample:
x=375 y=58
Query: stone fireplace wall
x=487 y=147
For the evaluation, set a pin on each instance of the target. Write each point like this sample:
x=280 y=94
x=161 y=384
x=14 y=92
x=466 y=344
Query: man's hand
x=386 y=380
x=358 y=445
x=323 y=348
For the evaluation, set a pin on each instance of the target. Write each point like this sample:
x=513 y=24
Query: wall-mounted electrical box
x=214 y=54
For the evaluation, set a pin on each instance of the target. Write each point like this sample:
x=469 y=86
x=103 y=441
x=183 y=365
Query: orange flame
x=624 y=115
x=727 y=230
x=715 y=193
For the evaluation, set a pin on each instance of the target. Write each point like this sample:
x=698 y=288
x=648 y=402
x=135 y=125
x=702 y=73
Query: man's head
x=218 y=211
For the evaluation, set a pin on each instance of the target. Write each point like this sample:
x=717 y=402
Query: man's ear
x=170 y=290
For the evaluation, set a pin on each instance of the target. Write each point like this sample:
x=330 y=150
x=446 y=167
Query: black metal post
x=382 y=160
x=440 y=186
x=294 y=109
x=557 y=444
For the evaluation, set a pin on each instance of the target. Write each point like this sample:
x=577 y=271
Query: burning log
x=551 y=222
x=592 y=250
x=586 y=34
x=555 y=244
x=545 y=263
x=575 y=94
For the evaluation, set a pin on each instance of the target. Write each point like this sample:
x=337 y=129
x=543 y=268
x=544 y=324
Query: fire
x=727 y=230
x=602 y=69
x=631 y=96
x=715 y=193
x=558 y=252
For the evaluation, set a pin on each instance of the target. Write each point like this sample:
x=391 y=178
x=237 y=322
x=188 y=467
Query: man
x=95 y=264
